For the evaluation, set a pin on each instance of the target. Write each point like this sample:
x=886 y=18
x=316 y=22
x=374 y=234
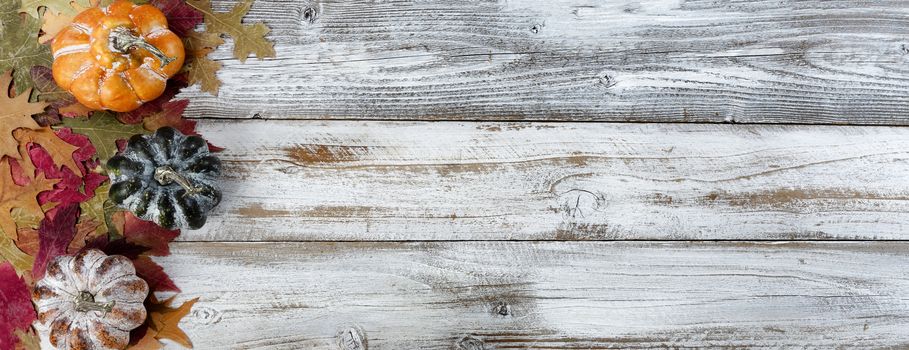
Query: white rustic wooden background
x=576 y=174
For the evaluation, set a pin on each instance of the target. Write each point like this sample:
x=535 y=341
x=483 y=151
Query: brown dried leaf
x=165 y=320
x=248 y=38
x=15 y=112
x=61 y=151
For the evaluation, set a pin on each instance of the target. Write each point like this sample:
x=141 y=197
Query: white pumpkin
x=90 y=301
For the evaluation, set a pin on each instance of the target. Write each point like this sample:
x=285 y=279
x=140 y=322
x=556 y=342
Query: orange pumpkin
x=116 y=57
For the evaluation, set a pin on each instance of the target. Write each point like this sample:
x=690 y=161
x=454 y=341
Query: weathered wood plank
x=544 y=295
x=815 y=61
x=349 y=180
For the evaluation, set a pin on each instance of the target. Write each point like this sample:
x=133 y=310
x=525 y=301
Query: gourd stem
x=85 y=301
x=122 y=39
x=165 y=175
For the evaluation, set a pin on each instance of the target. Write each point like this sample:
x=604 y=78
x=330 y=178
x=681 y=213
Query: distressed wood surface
x=353 y=180
x=544 y=295
x=657 y=60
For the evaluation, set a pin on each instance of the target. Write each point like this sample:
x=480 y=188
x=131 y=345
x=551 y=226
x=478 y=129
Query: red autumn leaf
x=54 y=235
x=16 y=309
x=181 y=18
x=71 y=188
x=117 y=247
x=148 y=234
x=171 y=115
x=151 y=272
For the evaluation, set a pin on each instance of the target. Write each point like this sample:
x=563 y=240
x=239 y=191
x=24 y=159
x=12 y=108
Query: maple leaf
x=86 y=231
x=248 y=39
x=17 y=312
x=103 y=130
x=165 y=320
x=24 y=196
x=19 y=47
x=181 y=18
x=99 y=209
x=56 y=232
x=171 y=115
x=146 y=234
x=71 y=188
x=15 y=112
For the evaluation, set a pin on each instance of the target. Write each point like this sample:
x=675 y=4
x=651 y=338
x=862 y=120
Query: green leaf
x=19 y=47
x=100 y=209
x=103 y=130
x=9 y=252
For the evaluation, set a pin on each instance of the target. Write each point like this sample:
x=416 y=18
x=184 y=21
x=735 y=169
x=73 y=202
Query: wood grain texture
x=656 y=60
x=543 y=295
x=351 y=180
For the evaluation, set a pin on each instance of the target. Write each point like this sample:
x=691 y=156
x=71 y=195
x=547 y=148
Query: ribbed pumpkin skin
x=109 y=279
x=100 y=78
x=134 y=187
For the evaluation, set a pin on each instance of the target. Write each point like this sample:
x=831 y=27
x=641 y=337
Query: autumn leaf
x=54 y=6
x=19 y=47
x=52 y=22
x=21 y=261
x=23 y=196
x=248 y=38
x=59 y=151
x=55 y=234
x=181 y=18
x=17 y=311
x=147 y=234
x=171 y=115
x=198 y=67
x=86 y=231
x=99 y=209
x=28 y=339
x=151 y=272
x=165 y=320
x=103 y=130
x=15 y=112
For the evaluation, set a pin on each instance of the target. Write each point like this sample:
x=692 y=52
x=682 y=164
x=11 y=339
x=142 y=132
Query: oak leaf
x=60 y=151
x=248 y=38
x=15 y=113
x=53 y=6
x=17 y=311
x=23 y=196
x=19 y=47
x=21 y=261
x=198 y=67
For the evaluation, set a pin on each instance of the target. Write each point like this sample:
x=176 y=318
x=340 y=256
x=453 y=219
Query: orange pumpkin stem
x=122 y=39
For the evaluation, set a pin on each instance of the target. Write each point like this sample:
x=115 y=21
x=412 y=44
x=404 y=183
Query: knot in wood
x=471 y=342
x=352 y=338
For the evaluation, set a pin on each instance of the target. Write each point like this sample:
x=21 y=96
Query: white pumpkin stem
x=122 y=39
x=86 y=302
x=165 y=175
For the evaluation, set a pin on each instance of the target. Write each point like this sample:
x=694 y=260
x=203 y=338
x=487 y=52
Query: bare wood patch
x=558 y=295
x=562 y=181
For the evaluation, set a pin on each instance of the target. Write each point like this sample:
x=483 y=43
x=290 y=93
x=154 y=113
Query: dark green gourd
x=167 y=177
